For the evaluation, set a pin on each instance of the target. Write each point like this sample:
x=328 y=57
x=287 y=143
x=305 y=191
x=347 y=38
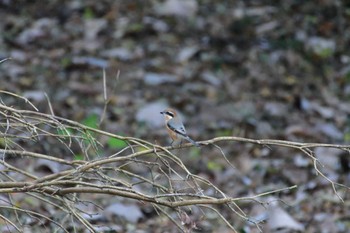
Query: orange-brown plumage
x=172 y=134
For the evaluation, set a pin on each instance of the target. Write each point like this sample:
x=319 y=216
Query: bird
x=175 y=127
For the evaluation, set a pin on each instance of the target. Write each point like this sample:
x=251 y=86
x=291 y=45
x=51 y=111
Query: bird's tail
x=191 y=141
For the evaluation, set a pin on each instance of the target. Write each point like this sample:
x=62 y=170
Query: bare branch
x=163 y=179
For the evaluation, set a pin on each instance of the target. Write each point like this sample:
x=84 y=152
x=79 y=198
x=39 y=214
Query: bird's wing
x=180 y=130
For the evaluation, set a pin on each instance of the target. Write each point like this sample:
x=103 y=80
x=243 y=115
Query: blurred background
x=257 y=69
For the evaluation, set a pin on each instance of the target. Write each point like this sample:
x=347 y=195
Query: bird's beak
x=162 y=112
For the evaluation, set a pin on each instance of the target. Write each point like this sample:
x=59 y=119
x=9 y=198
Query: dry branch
x=168 y=182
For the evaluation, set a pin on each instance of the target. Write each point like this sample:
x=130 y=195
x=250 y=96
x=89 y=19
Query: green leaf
x=136 y=27
x=213 y=166
x=88 y=13
x=91 y=121
x=347 y=137
x=325 y=52
x=65 y=62
x=64 y=131
x=223 y=133
x=194 y=153
x=78 y=157
x=116 y=143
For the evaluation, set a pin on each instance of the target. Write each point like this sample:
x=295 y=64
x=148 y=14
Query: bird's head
x=169 y=113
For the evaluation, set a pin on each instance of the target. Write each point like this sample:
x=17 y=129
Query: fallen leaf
x=47 y=165
x=129 y=212
x=180 y=8
x=329 y=157
x=156 y=78
x=330 y=130
x=93 y=27
x=280 y=219
x=41 y=28
x=150 y=114
x=186 y=53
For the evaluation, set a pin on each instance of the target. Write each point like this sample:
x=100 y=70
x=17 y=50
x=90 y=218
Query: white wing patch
x=182 y=130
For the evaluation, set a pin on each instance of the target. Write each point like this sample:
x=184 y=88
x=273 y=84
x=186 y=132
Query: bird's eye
x=170 y=114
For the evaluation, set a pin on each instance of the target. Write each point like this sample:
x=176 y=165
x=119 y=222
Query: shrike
x=175 y=127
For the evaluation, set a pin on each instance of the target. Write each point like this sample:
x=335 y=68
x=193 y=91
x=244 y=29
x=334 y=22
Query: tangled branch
x=162 y=180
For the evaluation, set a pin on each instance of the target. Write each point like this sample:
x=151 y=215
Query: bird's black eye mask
x=169 y=114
